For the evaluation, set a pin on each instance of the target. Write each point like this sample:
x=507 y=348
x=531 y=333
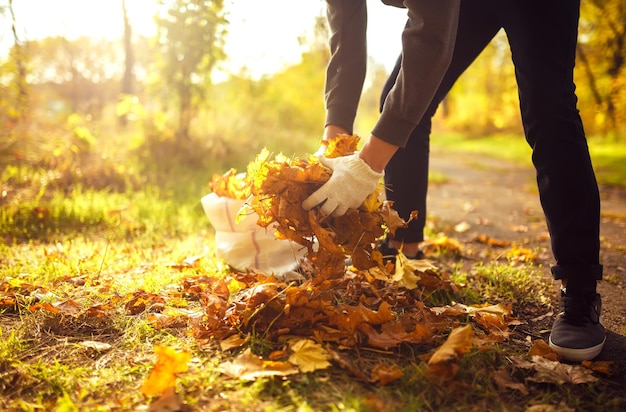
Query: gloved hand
x=350 y=184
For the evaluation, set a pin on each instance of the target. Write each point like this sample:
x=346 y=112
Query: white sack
x=245 y=245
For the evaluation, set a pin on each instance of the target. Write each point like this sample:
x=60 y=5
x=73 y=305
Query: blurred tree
x=602 y=56
x=82 y=73
x=129 y=61
x=190 y=39
x=14 y=100
x=484 y=99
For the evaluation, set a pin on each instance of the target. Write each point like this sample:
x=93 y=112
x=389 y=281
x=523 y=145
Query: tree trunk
x=127 y=81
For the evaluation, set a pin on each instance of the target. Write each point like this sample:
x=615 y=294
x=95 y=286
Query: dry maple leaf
x=443 y=365
x=163 y=375
x=548 y=371
x=249 y=366
x=309 y=355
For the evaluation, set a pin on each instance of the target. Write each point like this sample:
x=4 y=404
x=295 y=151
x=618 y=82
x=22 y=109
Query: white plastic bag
x=245 y=245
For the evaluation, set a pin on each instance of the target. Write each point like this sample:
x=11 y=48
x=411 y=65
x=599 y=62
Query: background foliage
x=122 y=115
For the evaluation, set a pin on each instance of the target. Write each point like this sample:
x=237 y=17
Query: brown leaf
x=385 y=374
x=248 y=366
x=443 y=365
x=168 y=401
x=234 y=341
x=141 y=301
x=548 y=371
x=541 y=348
x=504 y=381
x=603 y=367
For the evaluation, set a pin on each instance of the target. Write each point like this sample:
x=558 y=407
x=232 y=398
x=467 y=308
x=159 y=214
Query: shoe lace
x=580 y=309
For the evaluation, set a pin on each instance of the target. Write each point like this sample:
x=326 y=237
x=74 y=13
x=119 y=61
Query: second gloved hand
x=350 y=184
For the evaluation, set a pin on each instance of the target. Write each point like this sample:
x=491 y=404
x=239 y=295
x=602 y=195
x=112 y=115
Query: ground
x=495 y=198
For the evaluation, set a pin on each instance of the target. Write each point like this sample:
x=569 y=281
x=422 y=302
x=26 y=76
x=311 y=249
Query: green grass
x=89 y=245
x=608 y=156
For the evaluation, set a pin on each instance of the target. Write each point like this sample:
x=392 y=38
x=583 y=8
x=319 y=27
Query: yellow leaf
x=408 y=271
x=309 y=355
x=163 y=375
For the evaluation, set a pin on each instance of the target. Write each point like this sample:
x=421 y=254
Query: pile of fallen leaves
x=329 y=313
x=372 y=304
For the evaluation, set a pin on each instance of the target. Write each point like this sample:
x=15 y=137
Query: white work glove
x=350 y=184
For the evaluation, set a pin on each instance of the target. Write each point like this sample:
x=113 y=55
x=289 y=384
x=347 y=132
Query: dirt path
x=499 y=200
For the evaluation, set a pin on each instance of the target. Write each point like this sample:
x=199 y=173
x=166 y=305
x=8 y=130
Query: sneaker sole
x=577 y=355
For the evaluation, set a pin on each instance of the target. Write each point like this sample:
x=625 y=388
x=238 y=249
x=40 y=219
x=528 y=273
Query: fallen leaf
x=462 y=227
x=541 y=348
x=504 y=381
x=384 y=374
x=95 y=345
x=603 y=367
x=561 y=407
x=167 y=402
x=548 y=371
x=309 y=355
x=163 y=375
x=443 y=365
x=248 y=366
x=234 y=341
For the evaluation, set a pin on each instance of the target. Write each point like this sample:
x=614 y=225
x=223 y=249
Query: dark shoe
x=577 y=333
x=389 y=253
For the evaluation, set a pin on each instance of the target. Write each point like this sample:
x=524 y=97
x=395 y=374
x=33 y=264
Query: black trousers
x=542 y=35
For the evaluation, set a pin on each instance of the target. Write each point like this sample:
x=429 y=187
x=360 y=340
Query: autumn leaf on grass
x=384 y=374
x=541 y=348
x=443 y=244
x=603 y=367
x=249 y=366
x=408 y=270
x=444 y=364
x=163 y=375
x=309 y=355
x=548 y=371
x=521 y=255
x=504 y=381
x=234 y=341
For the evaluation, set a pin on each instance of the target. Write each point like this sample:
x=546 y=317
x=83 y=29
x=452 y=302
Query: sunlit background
x=263 y=36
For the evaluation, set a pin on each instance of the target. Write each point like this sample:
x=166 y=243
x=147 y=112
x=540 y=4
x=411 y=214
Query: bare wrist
x=377 y=153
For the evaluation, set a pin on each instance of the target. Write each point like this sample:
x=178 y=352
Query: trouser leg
x=542 y=35
x=406 y=175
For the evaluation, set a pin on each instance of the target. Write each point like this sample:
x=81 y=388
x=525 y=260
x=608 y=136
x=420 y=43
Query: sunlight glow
x=263 y=35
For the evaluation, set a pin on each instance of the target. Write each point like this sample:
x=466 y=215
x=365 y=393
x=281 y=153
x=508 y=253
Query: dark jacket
x=427 y=45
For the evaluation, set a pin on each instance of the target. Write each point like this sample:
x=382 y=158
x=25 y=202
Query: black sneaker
x=577 y=333
x=389 y=253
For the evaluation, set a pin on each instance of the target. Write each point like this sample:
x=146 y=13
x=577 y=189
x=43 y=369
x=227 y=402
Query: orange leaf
x=541 y=348
x=443 y=365
x=385 y=374
x=163 y=374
